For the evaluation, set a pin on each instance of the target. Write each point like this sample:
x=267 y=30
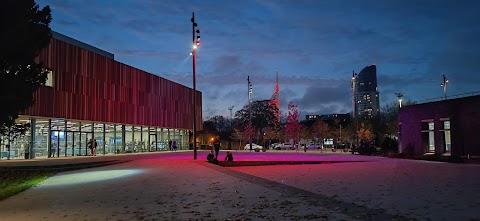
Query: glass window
x=138 y=137
x=74 y=141
x=446 y=125
x=110 y=139
x=99 y=138
x=428 y=136
x=447 y=142
x=58 y=138
x=85 y=135
x=49 y=81
x=145 y=139
x=129 y=139
x=431 y=143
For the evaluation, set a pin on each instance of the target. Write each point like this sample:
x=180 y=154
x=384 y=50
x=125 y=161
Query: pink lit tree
x=292 y=126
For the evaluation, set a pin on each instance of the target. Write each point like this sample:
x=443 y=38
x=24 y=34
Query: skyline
x=315 y=47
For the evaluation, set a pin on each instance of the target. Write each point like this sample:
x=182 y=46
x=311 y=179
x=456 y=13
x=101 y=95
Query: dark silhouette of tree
x=319 y=130
x=222 y=127
x=25 y=32
x=263 y=116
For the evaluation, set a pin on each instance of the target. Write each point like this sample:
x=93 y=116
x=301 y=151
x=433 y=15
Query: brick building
x=447 y=127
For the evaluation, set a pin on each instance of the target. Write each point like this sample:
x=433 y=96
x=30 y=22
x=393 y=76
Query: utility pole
x=249 y=112
x=196 y=42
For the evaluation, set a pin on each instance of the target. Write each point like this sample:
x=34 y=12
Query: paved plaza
x=172 y=186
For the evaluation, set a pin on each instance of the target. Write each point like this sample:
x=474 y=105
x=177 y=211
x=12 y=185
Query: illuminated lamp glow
x=87 y=177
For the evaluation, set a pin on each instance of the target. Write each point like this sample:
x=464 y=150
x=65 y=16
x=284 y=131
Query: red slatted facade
x=91 y=87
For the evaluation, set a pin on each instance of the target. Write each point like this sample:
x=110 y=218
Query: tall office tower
x=366 y=102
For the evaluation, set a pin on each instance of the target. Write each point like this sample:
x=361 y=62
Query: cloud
x=335 y=98
x=314 y=44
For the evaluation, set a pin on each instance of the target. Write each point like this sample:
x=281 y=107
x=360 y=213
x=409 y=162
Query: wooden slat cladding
x=90 y=87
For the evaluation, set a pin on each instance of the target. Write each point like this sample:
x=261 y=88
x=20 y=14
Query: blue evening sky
x=315 y=44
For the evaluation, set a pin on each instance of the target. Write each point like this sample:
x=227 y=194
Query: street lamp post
x=196 y=42
x=354 y=85
x=230 y=109
x=399 y=97
x=249 y=112
x=231 y=117
x=444 y=85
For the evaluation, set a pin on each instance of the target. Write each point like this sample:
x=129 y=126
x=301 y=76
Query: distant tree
x=366 y=137
x=239 y=136
x=320 y=130
x=272 y=135
x=365 y=133
x=25 y=32
x=220 y=123
x=348 y=134
x=209 y=131
x=389 y=115
x=292 y=126
x=262 y=117
x=222 y=127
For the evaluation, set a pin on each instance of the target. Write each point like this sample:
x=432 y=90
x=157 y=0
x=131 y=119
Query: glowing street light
x=196 y=43
x=399 y=97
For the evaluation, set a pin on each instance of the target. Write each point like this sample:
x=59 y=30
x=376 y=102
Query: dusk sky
x=315 y=44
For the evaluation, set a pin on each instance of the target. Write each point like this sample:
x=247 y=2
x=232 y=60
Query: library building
x=89 y=97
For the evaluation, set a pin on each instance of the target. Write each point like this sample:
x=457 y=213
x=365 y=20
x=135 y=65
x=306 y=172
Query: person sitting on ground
x=229 y=156
x=210 y=156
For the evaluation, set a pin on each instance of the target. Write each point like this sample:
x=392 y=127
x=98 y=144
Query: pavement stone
x=172 y=186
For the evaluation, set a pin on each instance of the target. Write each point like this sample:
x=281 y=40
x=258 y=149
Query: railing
x=448 y=97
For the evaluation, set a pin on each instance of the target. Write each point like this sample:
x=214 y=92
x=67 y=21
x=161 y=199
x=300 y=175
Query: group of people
x=213 y=157
x=172 y=145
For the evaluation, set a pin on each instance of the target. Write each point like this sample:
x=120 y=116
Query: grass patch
x=16 y=181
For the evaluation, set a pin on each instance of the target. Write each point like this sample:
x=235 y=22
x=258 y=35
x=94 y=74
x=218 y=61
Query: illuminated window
x=428 y=136
x=49 y=81
x=446 y=139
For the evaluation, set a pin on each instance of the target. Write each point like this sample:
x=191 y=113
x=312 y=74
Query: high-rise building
x=365 y=92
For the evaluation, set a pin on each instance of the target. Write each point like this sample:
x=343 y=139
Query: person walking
x=90 y=146
x=94 y=149
x=216 y=145
x=170 y=145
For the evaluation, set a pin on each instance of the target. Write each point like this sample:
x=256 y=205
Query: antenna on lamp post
x=444 y=85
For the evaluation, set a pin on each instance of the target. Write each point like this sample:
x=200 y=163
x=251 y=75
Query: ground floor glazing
x=49 y=137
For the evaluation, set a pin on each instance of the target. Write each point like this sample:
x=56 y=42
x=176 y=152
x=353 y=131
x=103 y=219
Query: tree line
x=379 y=131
